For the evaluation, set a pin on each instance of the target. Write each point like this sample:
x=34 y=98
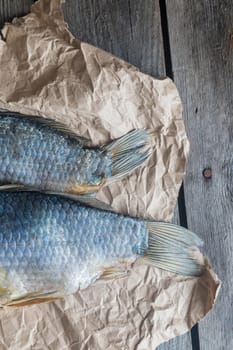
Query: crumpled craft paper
x=46 y=71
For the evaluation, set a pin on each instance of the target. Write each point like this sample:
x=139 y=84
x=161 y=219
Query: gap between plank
x=181 y=197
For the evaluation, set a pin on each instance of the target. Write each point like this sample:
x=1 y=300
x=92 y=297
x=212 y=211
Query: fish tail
x=128 y=153
x=172 y=248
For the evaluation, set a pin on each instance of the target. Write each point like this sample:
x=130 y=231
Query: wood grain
x=201 y=38
x=13 y=8
x=129 y=29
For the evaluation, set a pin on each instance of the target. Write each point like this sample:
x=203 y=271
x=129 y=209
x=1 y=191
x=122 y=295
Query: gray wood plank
x=16 y=8
x=201 y=38
x=183 y=342
x=129 y=29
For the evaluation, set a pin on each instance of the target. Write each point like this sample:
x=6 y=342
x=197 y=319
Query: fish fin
x=60 y=127
x=5 y=285
x=94 y=203
x=73 y=190
x=172 y=247
x=11 y=187
x=17 y=187
x=86 y=199
x=111 y=273
x=33 y=298
x=4 y=291
x=83 y=189
x=128 y=153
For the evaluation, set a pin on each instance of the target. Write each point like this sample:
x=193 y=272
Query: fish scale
x=38 y=153
x=67 y=235
x=32 y=155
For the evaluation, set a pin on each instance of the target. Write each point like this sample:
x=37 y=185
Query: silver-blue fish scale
x=52 y=242
x=38 y=155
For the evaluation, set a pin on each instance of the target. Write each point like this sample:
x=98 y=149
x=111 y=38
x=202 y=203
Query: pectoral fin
x=72 y=189
x=84 y=188
x=116 y=271
x=87 y=199
x=58 y=126
x=12 y=187
x=33 y=298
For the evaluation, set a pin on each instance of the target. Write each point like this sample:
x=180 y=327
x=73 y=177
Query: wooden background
x=192 y=42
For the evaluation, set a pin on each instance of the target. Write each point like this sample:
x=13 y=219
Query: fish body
x=51 y=246
x=42 y=154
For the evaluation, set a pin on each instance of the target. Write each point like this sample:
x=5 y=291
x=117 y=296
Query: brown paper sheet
x=46 y=71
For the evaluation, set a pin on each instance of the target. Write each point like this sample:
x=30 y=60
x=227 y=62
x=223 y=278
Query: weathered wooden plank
x=183 y=342
x=10 y=9
x=201 y=38
x=128 y=29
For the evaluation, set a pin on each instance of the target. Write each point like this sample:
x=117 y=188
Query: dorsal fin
x=43 y=121
x=33 y=298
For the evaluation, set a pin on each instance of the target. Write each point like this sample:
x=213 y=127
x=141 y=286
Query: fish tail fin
x=128 y=153
x=172 y=248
